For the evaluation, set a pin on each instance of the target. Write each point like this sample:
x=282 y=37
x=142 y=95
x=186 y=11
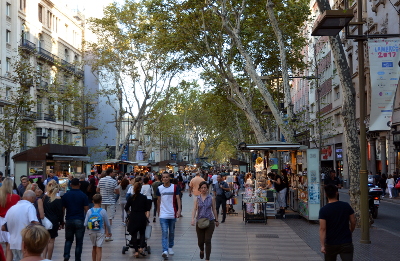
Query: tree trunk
x=282 y=53
x=251 y=71
x=348 y=115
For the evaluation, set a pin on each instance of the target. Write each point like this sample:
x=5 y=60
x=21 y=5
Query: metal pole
x=365 y=239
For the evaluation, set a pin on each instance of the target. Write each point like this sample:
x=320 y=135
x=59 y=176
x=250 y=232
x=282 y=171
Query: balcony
x=27 y=45
x=79 y=72
x=46 y=117
x=46 y=55
x=67 y=66
x=29 y=115
x=42 y=85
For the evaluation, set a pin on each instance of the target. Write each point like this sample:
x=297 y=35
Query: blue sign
x=125 y=153
x=387 y=64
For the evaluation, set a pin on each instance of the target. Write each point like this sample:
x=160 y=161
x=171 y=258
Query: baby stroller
x=128 y=238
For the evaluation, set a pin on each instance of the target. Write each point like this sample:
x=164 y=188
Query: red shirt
x=12 y=199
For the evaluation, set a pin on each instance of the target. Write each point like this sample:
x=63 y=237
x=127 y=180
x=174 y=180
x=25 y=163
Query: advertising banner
x=384 y=60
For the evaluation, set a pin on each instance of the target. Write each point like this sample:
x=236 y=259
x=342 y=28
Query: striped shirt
x=107 y=186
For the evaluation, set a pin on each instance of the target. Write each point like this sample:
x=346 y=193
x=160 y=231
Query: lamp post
x=330 y=24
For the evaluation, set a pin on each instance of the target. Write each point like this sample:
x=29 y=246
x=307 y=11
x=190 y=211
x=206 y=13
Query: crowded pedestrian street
x=232 y=240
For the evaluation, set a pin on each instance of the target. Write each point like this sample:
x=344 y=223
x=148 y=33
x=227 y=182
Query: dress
x=249 y=193
x=137 y=218
x=53 y=211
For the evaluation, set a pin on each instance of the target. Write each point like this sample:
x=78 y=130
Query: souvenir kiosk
x=303 y=169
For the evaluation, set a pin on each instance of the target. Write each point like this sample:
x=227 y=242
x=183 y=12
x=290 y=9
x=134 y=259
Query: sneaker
x=108 y=239
x=165 y=254
x=170 y=251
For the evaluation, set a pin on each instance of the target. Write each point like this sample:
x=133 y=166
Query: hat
x=203 y=223
x=74 y=182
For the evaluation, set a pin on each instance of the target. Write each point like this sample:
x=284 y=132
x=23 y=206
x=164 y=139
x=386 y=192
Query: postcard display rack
x=263 y=202
x=307 y=185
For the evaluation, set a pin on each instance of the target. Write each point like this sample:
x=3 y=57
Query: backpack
x=95 y=220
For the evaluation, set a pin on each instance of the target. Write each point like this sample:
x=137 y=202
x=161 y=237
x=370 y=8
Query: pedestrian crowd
x=390 y=184
x=32 y=213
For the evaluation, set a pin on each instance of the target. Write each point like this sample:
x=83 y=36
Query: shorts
x=110 y=208
x=97 y=238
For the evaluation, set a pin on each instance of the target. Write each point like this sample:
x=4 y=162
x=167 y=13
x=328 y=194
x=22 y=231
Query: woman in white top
x=390 y=184
x=147 y=190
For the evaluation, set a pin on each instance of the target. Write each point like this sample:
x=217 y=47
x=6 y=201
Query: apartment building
x=325 y=92
x=47 y=35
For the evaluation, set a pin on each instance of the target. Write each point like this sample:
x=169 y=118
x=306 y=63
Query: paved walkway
x=233 y=240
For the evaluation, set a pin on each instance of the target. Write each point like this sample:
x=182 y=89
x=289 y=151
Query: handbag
x=203 y=223
x=47 y=223
x=228 y=194
x=397 y=185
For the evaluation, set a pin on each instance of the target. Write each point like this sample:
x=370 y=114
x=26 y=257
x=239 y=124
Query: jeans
x=221 y=200
x=282 y=198
x=168 y=233
x=204 y=238
x=345 y=251
x=74 y=227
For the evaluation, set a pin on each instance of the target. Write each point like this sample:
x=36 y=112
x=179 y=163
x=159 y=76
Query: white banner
x=384 y=60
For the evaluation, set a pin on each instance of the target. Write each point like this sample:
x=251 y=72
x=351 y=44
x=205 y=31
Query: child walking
x=96 y=221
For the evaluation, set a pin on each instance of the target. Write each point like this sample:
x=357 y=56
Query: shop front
x=62 y=160
x=118 y=165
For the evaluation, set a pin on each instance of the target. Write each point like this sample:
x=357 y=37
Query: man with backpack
x=75 y=204
x=98 y=224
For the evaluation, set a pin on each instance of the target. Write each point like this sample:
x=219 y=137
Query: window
x=40 y=13
x=336 y=91
x=66 y=55
x=49 y=20
x=8 y=64
x=337 y=120
x=8 y=9
x=8 y=36
x=22 y=5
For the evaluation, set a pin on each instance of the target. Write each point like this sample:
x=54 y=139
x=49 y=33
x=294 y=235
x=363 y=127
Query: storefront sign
x=339 y=153
x=384 y=60
x=326 y=153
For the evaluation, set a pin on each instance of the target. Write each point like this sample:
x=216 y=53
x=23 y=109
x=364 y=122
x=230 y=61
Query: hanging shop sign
x=384 y=60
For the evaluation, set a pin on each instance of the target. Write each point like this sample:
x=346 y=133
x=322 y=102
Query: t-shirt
x=12 y=199
x=168 y=206
x=335 y=181
x=107 y=186
x=214 y=179
x=337 y=216
x=18 y=217
x=50 y=178
x=155 y=186
x=104 y=216
x=194 y=184
x=75 y=201
x=147 y=190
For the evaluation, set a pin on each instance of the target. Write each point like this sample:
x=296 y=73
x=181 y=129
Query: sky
x=91 y=8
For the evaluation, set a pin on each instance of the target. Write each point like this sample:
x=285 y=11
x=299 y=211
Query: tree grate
x=267 y=236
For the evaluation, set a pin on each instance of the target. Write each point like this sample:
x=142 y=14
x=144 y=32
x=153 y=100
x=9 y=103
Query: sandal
x=141 y=251
x=137 y=254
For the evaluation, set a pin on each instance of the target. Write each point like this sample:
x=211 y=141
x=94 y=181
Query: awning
x=238 y=162
x=144 y=164
x=48 y=151
x=114 y=161
x=71 y=158
x=272 y=145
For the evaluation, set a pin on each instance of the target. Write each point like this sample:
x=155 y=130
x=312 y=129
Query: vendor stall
x=302 y=166
x=59 y=159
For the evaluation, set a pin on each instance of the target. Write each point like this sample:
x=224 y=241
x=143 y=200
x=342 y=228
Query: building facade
x=49 y=38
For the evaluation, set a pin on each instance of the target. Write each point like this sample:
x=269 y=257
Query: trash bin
x=345 y=185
